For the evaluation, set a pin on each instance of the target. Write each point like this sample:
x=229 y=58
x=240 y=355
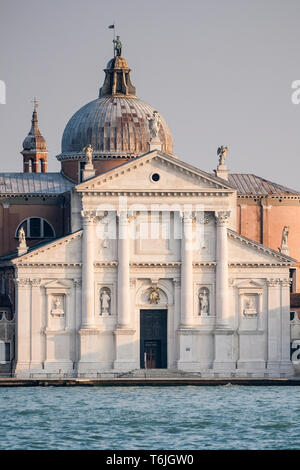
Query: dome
x=114 y=125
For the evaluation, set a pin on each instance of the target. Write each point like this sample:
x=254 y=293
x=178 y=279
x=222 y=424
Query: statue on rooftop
x=222 y=153
x=117 y=46
x=284 y=237
x=88 y=150
x=154 y=124
x=22 y=239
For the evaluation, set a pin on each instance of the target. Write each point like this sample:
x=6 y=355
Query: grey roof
x=34 y=183
x=246 y=183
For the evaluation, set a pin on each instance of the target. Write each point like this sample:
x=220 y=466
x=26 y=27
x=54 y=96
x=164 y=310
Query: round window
x=155 y=177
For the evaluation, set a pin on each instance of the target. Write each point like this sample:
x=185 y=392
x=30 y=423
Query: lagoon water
x=188 y=417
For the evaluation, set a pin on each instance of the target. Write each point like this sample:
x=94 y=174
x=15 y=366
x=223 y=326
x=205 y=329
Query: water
x=221 y=417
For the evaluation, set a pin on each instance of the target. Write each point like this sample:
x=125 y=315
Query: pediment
x=62 y=251
x=58 y=285
x=249 y=284
x=137 y=175
x=243 y=251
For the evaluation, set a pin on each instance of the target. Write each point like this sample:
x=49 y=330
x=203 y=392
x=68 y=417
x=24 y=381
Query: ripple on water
x=234 y=417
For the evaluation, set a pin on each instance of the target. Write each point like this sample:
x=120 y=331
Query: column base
x=224 y=350
x=57 y=367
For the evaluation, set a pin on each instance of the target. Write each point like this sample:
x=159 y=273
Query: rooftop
x=34 y=183
x=246 y=183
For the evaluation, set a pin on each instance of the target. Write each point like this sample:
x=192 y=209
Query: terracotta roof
x=247 y=183
x=34 y=183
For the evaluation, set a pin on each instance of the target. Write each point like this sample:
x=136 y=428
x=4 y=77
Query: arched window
x=36 y=227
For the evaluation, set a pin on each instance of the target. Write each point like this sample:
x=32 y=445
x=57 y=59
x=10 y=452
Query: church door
x=153 y=344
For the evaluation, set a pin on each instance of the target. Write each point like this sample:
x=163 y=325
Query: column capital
x=35 y=282
x=77 y=282
x=273 y=282
x=88 y=216
x=22 y=282
x=222 y=217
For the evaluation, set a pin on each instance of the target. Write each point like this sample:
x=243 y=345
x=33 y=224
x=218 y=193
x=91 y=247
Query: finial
x=35 y=101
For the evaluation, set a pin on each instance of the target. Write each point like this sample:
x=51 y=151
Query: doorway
x=153 y=342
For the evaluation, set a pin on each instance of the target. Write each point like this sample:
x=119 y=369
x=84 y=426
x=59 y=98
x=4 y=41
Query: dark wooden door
x=153 y=339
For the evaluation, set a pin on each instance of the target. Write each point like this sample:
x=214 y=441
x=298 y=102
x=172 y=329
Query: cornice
x=46 y=264
x=129 y=192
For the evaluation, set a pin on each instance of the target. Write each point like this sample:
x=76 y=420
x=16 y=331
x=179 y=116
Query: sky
x=219 y=71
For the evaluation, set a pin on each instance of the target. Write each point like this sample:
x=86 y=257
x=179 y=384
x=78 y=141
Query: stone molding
x=222 y=218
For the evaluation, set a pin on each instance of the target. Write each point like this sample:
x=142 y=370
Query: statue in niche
x=204 y=301
x=154 y=295
x=154 y=125
x=88 y=150
x=250 y=308
x=57 y=310
x=105 y=302
x=222 y=153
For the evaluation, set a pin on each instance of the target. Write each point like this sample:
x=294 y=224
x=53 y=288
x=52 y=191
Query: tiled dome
x=114 y=125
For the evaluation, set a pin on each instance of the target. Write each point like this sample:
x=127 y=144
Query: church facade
x=141 y=263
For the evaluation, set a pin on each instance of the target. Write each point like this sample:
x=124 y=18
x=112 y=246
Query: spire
x=34 y=147
x=117 y=75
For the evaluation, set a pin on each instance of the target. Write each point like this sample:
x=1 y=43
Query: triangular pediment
x=57 y=284
x=172 y=175
x=62 y=251
x=249 y=284
x=243 y=251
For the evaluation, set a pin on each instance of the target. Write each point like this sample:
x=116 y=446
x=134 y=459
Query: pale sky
x=219 y=71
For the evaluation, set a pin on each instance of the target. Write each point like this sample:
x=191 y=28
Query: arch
x=41 y=165
x=33 y=229
x=164 y=289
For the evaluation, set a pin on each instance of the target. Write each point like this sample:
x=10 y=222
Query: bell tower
x=34 y=148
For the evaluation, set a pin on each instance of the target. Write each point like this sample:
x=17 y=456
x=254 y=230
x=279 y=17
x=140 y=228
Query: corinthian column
x=222 y=269
x=87 y=270
x=187 y=271
x=123 y=272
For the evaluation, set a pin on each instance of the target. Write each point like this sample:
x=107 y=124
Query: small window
x=36 y=227
x=155 y=177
